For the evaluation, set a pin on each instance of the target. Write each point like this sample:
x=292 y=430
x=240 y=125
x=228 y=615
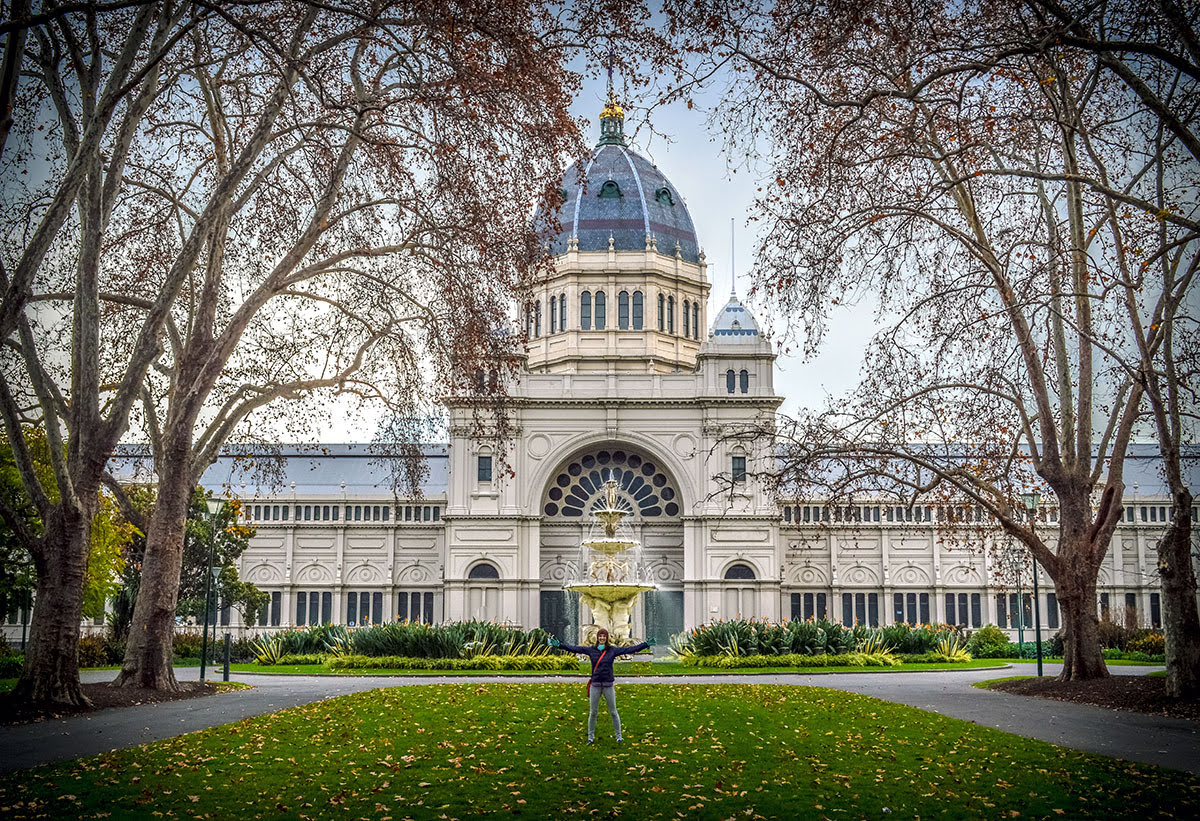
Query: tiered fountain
x=611 y=573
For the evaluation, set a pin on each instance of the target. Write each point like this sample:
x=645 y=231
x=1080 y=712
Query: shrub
x=541 y=662
x=310 y=659
x=1149 y=642
x=794 y=660
x=988 y=642
x=186 y=644
x=1111 y=634
x=92 y=651
x=268 y=649
x=11 y=665
x=950 y=648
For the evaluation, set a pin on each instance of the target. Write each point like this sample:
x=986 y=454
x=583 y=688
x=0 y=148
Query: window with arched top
x=740 y=572
x=600 y=311
x=562 y=310
x=585 y=311
x=643 y=487
x=637 y=310
x=623 y=310
x=487 y=570
x=537 y=319
x=730 y=380
x=670 y=314
x=610 y=190
x=687 y=319
x=662 y=312
x=744 y=379
x=663 y=195
x=553 y=314
x=696 y=320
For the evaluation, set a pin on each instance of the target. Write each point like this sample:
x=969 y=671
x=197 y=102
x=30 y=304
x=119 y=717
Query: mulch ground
x=1139 y=694
x=103 y=697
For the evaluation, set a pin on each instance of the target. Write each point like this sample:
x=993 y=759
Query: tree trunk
x=1181 y=622
x=1083 y=657
x=50 y=677
x=149 y=652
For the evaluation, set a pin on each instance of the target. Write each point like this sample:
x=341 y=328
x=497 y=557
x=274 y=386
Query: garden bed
x=1138 y=694
x=106 y=697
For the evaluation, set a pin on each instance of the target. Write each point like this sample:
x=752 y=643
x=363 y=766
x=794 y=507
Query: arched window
x=599 y=310
x=528 y=321
x=687 y=319
x=537 y=319
x=553 y=314
x=662 y=324
x=585 y=311
x=623 y=310
x=610 y=190
x=696 y=320
x=730 y=380
x=739 y=572
x=637 y=310
x=562 y=310
x=744 y=378
x=486 y=570
x=670 y=314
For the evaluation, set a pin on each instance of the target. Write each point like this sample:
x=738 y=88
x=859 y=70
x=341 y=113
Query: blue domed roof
x=735 y=323
x=624 y=196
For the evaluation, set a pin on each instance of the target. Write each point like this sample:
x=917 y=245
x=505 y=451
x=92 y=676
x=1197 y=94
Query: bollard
x=227 y=646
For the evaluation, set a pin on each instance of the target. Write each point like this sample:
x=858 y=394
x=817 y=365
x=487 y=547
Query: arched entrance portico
x=651 y=494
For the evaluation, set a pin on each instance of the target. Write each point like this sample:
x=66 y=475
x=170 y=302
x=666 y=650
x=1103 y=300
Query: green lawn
x=622 y=669
x=709 y=751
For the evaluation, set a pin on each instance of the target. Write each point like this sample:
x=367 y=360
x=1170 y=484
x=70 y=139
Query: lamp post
x=1031 y=505
x=214 y=507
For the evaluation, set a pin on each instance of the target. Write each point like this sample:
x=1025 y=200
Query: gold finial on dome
x=612 y=108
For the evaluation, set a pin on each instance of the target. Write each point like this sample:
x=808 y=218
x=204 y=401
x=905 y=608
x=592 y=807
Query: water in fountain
x=611 y=572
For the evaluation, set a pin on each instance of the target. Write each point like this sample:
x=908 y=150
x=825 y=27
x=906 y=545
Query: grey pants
x=611 y=697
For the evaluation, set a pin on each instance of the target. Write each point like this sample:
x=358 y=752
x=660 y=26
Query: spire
x=612 y=116
x=732 y=264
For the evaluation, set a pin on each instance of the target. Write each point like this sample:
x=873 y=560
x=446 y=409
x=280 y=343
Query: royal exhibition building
x=630 y=376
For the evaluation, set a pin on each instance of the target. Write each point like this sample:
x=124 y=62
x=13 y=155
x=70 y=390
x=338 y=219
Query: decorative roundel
x=641 y=487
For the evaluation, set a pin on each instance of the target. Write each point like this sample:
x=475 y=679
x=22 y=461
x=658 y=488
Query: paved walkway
x=1153 y=740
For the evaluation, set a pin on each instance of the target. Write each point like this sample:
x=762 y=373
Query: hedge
x=507 y=662
x=794 y=660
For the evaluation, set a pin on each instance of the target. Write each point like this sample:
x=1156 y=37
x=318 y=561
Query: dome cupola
x=617 y=200
x=629 y=288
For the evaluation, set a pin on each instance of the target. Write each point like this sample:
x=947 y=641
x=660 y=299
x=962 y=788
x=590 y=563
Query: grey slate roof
x=648 y=204
x=317 y=470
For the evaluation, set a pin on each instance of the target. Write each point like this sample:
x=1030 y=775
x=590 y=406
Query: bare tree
x=298 y=199
x=962 y=167
x=1155 y=53
x=99 y=75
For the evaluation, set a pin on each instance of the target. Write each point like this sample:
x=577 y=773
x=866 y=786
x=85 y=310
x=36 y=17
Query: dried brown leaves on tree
x=264 y=203
x=1019 y=206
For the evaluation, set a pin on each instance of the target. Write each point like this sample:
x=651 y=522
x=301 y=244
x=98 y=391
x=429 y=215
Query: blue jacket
x=602 y=660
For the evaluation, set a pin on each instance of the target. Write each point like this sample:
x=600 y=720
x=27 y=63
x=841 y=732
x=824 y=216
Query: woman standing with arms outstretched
x=602 y=655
